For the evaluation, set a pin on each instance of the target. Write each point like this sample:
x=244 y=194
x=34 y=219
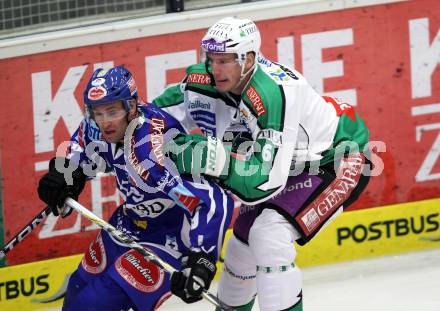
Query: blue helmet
x=110 y=85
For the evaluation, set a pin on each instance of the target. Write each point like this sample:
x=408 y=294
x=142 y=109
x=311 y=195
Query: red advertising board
x=382 y=58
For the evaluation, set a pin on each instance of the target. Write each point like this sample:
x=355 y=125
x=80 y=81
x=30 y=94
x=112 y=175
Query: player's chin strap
x=128 y=241
x=243 y=74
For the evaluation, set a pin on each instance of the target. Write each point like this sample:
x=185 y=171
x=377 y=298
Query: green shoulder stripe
x=170 y=97
x=266 y=99
x=348 y=131
x=198 y=78
x=196 y=68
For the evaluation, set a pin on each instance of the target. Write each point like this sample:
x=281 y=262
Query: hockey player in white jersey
x=296 y=163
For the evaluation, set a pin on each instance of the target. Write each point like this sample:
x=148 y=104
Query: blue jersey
x=175 y=212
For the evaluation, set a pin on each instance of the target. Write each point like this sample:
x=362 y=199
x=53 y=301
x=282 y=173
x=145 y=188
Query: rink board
x=36 y=286
x=372 y=56
x=375 y=232
x=353 y=235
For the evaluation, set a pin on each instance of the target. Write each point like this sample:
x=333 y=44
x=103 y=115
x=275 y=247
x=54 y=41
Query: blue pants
x=113 y=277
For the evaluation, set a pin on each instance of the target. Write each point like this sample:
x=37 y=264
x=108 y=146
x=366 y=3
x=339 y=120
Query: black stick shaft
x=24 y=232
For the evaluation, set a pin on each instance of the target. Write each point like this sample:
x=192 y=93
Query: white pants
x=277 y=282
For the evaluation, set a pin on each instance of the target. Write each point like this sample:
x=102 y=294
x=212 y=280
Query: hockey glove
x=197 y=154
x=242 y=145
x=55 y=186
x=197 y=268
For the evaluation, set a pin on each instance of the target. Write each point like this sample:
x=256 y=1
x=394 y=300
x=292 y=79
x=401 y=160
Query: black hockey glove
x=242 y=143
x=197 y=268
x=53 y=188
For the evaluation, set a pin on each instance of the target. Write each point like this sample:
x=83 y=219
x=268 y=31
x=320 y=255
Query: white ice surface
x=406 y=282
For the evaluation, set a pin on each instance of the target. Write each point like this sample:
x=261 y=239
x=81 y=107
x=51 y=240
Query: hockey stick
x=129 y=242
x=24 y=232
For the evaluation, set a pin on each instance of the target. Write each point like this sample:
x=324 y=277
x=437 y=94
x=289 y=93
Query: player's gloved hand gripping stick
x=122 y=237
x=128 y=241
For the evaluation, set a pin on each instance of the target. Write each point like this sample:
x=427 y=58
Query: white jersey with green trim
x=288 y=120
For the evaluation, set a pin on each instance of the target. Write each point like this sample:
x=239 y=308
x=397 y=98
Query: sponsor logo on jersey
x=157 y=127
x=256 y=101
x=297 y=186
x=263 y=61
x=134 y=161
x=205 y=120
x=212 y=45
x=143 y=275
x=341 y=107
x=95 y=260
x=96 y=93
x=151 y=208
x=199 y=78
x=287 y=71
x=334 y=195
x=279 y=75
x=197 y=104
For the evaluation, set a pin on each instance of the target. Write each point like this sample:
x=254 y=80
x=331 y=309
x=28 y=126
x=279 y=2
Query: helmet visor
x=111 y=114
x=222 y=60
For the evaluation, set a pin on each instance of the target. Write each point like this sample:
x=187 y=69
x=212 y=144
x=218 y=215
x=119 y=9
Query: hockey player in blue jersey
x=181 y=221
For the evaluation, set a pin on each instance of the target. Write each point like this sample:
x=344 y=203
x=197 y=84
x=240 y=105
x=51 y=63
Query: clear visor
x=108 y=115
x=224 y=61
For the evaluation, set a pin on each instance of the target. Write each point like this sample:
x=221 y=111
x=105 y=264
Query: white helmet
x=232 y=35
